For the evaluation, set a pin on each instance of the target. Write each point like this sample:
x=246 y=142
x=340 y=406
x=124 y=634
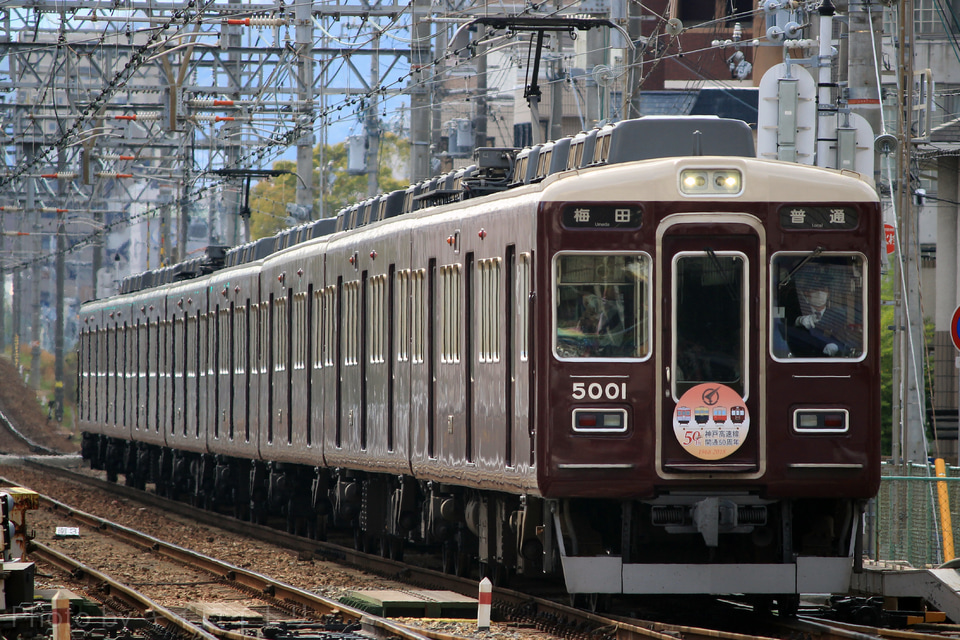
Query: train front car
x=709 y=388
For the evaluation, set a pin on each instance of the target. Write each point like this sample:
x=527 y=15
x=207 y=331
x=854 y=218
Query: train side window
x=264 y=336
x=488 y=316
x=351 y=321
x=523 y=295
x=240 y=332
x=817 y=306
x=280 y=331
x=601 y=305
x=329 y=307
x=300 y=331
x=318 y=329
x=417 y=315
x=403 y=315
x=450 y=315
x=377 y=291
x=225 y=340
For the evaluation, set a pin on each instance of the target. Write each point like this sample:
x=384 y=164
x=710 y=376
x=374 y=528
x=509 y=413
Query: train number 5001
x=597 y=390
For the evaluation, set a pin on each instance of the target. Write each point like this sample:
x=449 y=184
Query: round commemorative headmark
x=711 y=421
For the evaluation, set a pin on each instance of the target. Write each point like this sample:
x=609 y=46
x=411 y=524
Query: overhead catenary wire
x=333 y=113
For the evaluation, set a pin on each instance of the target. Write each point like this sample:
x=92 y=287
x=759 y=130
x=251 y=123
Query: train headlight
x=696 y=182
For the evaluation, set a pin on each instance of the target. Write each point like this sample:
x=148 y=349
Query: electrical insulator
x=257 y=22
x=60 y=175
x=139 y=116
x=85 y=166
x=207 y=103
x=104 y=174
x=206 y=118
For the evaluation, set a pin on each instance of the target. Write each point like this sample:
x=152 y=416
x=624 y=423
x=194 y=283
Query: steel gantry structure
x=114 y=113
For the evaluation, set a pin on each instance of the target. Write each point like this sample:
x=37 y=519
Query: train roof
x=782 y=182
x=496 y=169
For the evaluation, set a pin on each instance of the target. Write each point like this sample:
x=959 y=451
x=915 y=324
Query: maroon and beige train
x=492 y=362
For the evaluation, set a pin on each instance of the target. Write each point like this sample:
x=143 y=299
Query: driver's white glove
x=831 y=349
x=807 y=322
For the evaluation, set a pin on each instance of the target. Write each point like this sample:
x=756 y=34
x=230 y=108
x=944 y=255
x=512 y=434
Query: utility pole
x=304 y=35
x=633 y=58
x=420 y=112
x=596 y=55
x=373 y=125
x=3 y=290
x=35 y=242
x=555 y=78
x=909 y=338
x=865 y=20
x=60 y=278
x=230 y=134
x=480 y=100
x=183 y=211
x=17 y=308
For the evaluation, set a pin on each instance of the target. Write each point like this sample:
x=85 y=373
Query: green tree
x=268 y=201
x=269 y=198
x=886 y=365
x=887 y=321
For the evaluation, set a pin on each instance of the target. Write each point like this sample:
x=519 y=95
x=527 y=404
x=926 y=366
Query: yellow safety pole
x=944 y=498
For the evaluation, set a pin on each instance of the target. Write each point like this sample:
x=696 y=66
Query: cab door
x=712 y=289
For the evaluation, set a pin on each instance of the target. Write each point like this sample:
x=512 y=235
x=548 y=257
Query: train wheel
x=362 y=541
x=499 y=574
x=448 y=555
x=291 y=518
x=318 y=528
x=258 y=512
x=762 y=605
x=593 y=602
x=461 y=567
x=788 y=605
x=396 y=549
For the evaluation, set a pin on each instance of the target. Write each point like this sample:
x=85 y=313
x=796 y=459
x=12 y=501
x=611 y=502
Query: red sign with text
x=890 y=234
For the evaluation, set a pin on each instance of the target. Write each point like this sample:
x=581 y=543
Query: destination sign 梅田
x=601 y=216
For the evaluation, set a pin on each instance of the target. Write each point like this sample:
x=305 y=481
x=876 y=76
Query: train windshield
x=817 y=306
x=709 y=308
x=601 y=305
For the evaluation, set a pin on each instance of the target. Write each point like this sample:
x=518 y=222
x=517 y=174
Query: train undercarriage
x=472 y=531
x=676 y=543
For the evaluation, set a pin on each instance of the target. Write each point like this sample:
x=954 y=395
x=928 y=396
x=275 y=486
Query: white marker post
x=60 y=605
x=484 y=603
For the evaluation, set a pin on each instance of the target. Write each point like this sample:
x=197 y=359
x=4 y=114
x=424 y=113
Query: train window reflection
x=709 y=320
x=817 y=306
x=601 y=305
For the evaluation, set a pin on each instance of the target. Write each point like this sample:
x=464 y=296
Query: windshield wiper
x=810 y=256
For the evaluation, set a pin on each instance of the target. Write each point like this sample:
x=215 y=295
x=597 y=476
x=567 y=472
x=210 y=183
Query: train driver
x=821 y=327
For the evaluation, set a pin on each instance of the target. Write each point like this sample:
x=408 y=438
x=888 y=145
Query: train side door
x=711 y=279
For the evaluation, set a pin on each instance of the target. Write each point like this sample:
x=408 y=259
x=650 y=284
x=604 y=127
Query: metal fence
x=903 y=523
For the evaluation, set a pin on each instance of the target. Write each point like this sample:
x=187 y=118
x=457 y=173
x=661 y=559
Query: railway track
x=543 y=614
x=285 y=602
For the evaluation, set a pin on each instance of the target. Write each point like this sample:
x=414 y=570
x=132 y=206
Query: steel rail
x=233 y=576
x=543 y=613
x=129 y=596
